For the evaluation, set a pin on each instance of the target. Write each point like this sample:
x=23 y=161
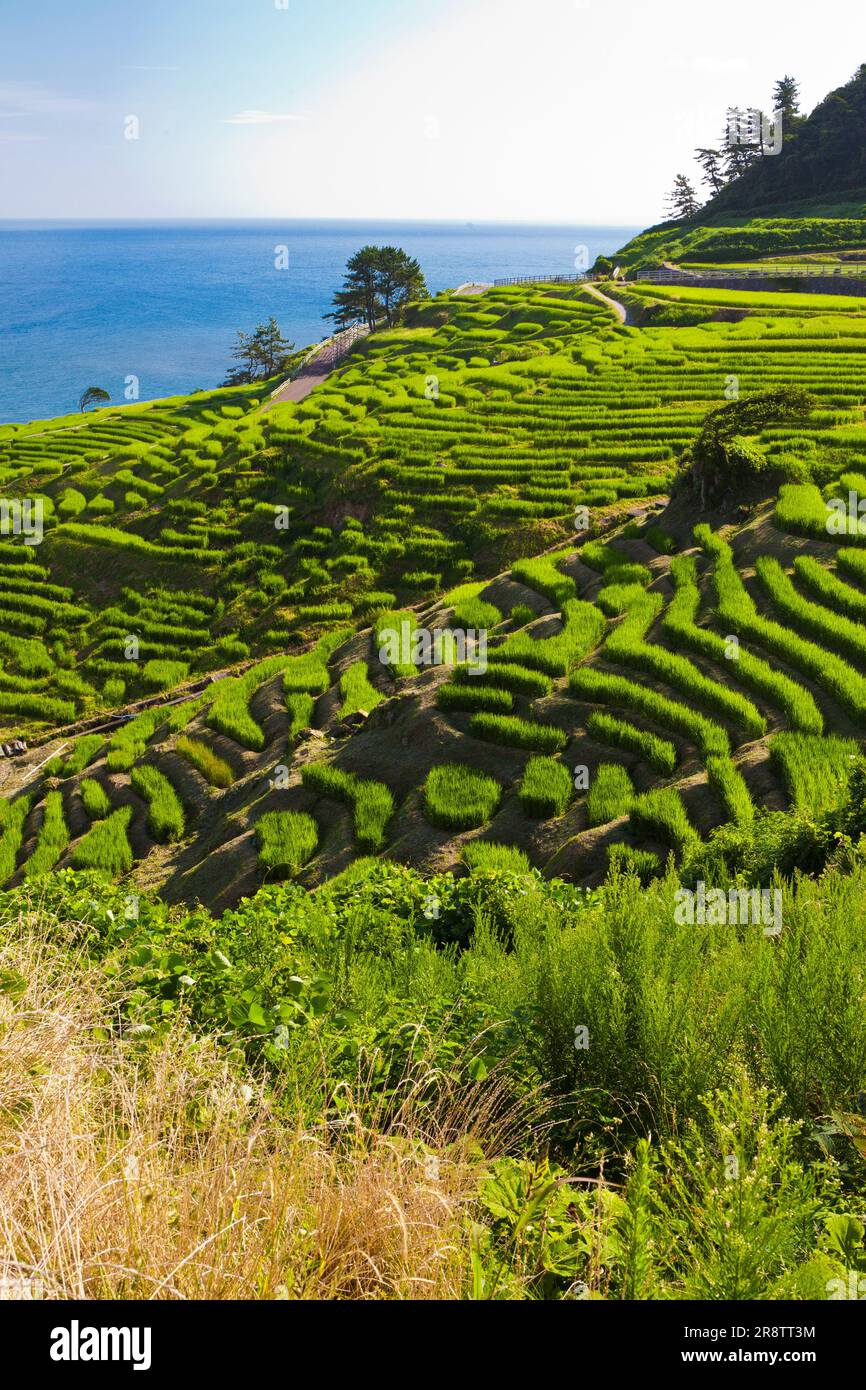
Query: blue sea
x=84 y=305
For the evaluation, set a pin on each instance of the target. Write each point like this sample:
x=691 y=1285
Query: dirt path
x=317 y=367
x=619 y=309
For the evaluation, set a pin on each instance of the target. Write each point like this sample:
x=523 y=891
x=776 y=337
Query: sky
x=550 y=111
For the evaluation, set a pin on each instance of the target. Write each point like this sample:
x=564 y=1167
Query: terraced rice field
x=632 y=693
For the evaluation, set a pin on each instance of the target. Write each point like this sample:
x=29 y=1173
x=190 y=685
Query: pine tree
x=711 y=162
x=682 y=200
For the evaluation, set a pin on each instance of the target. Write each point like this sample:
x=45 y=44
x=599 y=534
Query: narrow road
x=317 y=367
x=619 y=309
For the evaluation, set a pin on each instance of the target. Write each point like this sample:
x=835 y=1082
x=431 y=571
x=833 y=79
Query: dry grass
x=157 y=1171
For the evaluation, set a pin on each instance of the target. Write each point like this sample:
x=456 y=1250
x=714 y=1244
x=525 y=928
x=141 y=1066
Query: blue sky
x=556 y=110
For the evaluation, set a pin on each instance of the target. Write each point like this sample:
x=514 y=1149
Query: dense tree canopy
x=379 y=281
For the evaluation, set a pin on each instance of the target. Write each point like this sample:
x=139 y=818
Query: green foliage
x=372 y=802
x=105 y=848
x=611 y=794
x=94 y=798
x=518 y=733
x=659 y=753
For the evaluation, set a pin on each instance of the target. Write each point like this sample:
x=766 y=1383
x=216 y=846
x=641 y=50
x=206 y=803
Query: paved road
x=318 y=366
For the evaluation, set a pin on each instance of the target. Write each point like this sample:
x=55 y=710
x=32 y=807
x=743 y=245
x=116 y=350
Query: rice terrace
x=436 y=760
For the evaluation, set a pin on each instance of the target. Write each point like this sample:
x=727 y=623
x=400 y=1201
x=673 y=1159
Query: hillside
x=435 y=481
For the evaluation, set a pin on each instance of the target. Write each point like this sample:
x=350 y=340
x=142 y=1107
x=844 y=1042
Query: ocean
x=93 y=305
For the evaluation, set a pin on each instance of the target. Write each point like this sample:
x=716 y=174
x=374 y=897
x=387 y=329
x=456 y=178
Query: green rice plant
x=816 y=771
x=130 y=740
x=731 y=789
x=94 y=798
x=625 y=859
x=680 y=627
x=300 y=709
x=507 y=676
x=736 y=609
x=230 y=712
x=546 y=788
x=178 y=718
x=518 y=733
x=661 y=814
x=40 y=708
x=105 y=848
x=163 y=675
x=372 y=802
x=483 y=857
x=658 y=753
x=610 y=796
x=811 y=618
x=165 y=818
x=214 y=769
x=597 y=687
x=357 y=692
x=852 y=562
x=462 y=696
x=626 y=647
x=456 y=798
x=543 y=575
x=85 y=750
x=394 y=636
x=582 y=629
x=51 y=841
x=287 y=840
x=832 y=591
x=13 y=814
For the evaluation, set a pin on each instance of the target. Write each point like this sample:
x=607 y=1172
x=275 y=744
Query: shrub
x=286 y=840
x=546 y=788
x=213 y=768
x=165 y=819
x=456 y=798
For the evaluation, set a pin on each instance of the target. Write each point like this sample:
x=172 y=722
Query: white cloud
x=32 y=99
x=261 y=118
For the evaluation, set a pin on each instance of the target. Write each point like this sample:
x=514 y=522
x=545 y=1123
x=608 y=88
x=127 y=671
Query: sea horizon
x=153 y=306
